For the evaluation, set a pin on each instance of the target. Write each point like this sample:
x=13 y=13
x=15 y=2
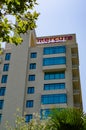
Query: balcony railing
x=77 y=105
x=75 y=78
x=74 y=55
x=75 y=66
x=76 y=91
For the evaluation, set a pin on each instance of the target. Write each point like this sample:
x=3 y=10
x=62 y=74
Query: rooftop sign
x=54 y=39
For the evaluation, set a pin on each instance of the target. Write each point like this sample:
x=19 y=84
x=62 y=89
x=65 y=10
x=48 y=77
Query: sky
x=65 y=17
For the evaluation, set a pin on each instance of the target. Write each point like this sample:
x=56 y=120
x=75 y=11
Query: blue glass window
x=54 y=75
x=33 y=55
x=54 y=50
x=2 y=91
x=54 y=86
x=29 y=103
x=4 y=79
x=33 y=66
x=7 y=56
x=31 y=77
x=0 y=117
x=28 y=117
x=54 y=99
x=54 y=61
x=1 y=104
x=30 y=90
x=6 y=67
x=45 y=113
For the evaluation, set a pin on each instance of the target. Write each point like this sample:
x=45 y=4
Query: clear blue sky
x=64 y=17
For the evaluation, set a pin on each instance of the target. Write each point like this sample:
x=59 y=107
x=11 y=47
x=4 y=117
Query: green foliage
x=25 y=19
x=68 y=119
x=1 y=50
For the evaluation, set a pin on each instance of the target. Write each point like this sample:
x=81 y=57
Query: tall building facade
x=40 y=74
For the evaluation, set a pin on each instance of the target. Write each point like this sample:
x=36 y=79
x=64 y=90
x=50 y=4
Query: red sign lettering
x=54 y=39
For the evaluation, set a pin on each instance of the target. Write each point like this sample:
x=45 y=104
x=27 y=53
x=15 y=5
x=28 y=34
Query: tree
x=68 y=119
x=25 y=17
x=34 y=124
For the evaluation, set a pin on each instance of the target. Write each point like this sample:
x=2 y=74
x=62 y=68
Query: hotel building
x=40 y=74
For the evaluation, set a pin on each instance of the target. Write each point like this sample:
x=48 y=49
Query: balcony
x=76 y=92
x=75 y=72
x=75 y=66
x=74 y=55
x=75 y=79
x=77 y=98
x=74 y=50
x=75 y=59
x=78 y=105
x=76 y=85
